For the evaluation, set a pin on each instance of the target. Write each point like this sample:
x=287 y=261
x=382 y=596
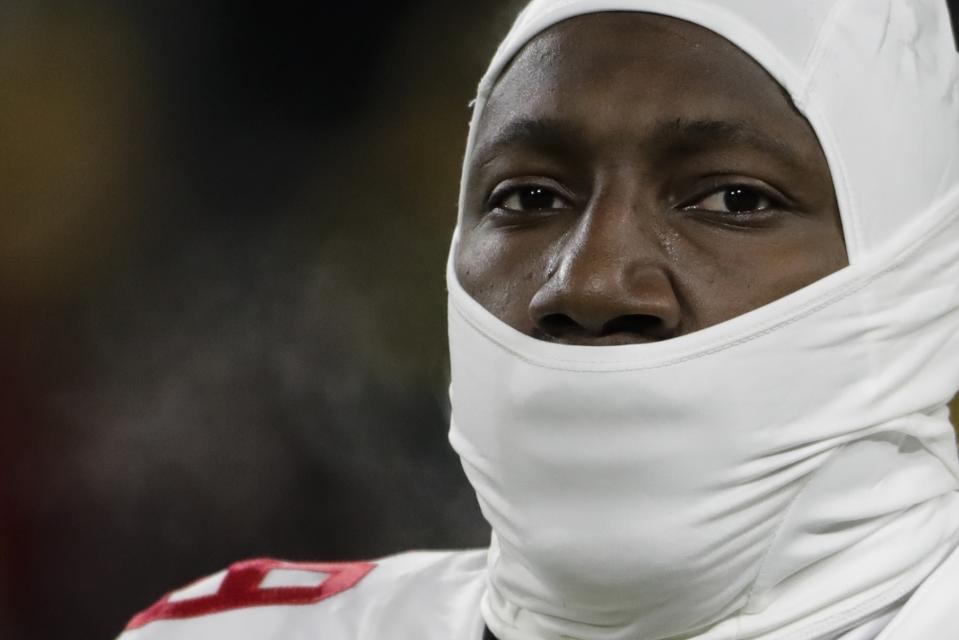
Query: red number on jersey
x=241 y=588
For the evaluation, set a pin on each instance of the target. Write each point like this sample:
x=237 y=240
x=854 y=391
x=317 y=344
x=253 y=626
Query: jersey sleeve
x=426 y=595
x=245 y=601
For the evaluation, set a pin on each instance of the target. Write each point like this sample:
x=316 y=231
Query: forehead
x=616 y=69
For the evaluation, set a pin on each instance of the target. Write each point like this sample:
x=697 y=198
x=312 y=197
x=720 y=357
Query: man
x=704 y=324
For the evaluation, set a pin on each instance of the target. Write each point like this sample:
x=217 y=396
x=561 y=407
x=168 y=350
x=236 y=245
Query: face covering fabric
x=790 y=473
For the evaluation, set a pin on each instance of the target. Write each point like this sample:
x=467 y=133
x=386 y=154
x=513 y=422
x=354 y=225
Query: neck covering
x=789 y=473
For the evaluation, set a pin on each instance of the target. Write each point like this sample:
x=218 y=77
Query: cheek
x=502 y=270
x=747 y=271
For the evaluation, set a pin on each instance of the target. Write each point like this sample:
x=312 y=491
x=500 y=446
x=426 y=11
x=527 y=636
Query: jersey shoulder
x=267 y=598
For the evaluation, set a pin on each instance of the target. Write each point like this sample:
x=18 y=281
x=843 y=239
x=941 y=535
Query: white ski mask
x=789 y=473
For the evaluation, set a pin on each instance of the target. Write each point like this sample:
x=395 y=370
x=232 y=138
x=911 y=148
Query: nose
x=610 y=284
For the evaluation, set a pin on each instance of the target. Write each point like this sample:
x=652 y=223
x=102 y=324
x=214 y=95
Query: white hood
x=790 y=473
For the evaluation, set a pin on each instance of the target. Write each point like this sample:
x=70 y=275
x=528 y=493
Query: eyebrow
x=546 y=135
x=683 y=135
x=697 y=134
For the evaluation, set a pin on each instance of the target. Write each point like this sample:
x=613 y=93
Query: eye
x=529 y=199
x=737 y=199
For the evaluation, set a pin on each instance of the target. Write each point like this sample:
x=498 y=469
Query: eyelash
x=768 y=201
x=501 y=195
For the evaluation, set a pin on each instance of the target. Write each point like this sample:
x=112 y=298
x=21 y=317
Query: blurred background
x=222 y=310
x=222 y=314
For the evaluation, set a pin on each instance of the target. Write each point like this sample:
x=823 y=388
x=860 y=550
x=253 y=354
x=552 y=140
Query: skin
x=636 y=178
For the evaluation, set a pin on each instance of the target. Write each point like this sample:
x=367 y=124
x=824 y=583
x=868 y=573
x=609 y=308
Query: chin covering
x=790 y=473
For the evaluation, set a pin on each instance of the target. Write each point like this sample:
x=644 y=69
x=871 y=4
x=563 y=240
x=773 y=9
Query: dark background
x=223 y=227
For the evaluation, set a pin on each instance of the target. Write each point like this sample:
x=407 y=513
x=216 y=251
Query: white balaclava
x=789 y=473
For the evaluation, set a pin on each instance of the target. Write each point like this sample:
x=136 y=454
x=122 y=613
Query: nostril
x=559 y=324
x=633 y=323
x=623 y=329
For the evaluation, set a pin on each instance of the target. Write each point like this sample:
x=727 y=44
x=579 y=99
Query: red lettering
x=240 y=588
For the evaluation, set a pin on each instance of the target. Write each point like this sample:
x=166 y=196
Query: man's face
x=636 y=178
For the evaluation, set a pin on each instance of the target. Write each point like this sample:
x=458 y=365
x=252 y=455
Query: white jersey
x=418 y=596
